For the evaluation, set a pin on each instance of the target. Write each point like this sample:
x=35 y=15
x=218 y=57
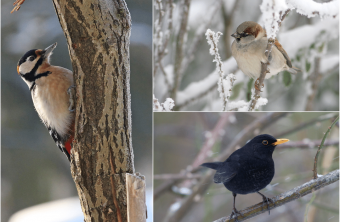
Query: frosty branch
x=264 y=66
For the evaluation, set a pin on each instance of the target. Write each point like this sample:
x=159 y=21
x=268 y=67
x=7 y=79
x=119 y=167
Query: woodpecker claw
x=72 y=93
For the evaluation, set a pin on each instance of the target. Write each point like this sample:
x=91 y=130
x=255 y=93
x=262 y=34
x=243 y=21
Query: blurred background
x=311 y=43
x=33 y=170
x=180 y=139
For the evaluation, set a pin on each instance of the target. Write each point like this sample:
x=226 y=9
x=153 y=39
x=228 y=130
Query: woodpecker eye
x=31 y=58
x=265 y=142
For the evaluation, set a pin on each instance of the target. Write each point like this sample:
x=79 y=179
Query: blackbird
x=248 y=169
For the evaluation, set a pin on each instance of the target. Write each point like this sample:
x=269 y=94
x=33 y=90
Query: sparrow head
x=30 y=62
x=263 y=145
x=247 y=32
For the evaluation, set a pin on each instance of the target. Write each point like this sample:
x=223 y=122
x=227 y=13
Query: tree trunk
x=98 y=37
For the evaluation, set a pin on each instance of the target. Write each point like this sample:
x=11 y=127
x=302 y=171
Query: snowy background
x=311 y=40
x=33 y=170
x=181 y=137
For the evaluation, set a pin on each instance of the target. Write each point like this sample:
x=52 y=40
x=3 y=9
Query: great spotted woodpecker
x=51 y=90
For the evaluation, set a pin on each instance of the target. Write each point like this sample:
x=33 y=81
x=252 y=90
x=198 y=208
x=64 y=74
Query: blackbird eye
x=265 y=142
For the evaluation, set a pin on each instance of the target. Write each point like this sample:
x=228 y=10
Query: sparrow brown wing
x=284 y=53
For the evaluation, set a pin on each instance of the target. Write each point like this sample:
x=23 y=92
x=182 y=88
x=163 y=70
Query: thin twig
x=264 y=68
x=286 y=197
x=199 y=35
x=307 y=144
x=176 y=176
x=316 y=77
x=306 y=124
x=179 y=47
x=320 y=147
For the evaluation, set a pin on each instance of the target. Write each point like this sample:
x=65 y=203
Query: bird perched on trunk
x=52 y=93
x=248 y=169
x=249 y=48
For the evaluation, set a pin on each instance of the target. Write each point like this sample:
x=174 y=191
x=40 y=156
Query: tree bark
x=98 y=37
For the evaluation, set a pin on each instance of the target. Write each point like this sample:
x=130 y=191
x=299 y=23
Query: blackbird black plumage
x=248 y=169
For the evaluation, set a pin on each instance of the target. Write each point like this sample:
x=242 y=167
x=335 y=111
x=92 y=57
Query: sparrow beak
x=280 y=141
x=47 y=52
x=235 y=35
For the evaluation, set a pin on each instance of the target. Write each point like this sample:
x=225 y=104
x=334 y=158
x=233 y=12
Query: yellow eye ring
x=265 y=142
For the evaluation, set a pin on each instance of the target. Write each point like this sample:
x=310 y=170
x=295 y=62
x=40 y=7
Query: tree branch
x=179 y=48
x=264 y=66
x=293 y=194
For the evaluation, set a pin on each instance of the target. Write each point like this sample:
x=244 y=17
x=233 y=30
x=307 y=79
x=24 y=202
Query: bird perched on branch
x=248 y=169
x=249 y=48
x=52 y=93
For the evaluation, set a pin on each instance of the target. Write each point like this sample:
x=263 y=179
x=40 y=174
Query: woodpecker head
x=30 y=62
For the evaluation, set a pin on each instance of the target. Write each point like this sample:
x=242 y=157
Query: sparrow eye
x=244 y=34
x=265 y=142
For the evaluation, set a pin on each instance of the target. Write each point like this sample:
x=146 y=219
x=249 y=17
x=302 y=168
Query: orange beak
x=18 y=70
x=280 y=141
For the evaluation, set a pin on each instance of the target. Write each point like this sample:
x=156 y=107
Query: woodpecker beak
x=47 y=52
x=280 y=141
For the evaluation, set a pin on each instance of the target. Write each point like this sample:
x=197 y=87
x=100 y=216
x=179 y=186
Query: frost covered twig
x=279 y=200
x=274 y=12
x=311 y=8
x=224 y=86
x=167 y=106
x=320 y=147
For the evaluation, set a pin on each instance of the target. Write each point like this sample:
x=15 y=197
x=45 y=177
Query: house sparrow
x=248 y=50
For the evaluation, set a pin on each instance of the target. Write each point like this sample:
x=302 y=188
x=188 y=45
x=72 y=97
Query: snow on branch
x=167 y=106
x=274 y=12
x=224 y=85
x=212 y=39
x=197 y=89
x=311 y=8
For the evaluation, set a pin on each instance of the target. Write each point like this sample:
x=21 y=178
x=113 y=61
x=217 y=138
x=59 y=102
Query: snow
x=328 y=62
x=167 y=106
x=196 y=88
x=304 y=36
x=272 y=11
x=212 y=39
x=311 y=8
